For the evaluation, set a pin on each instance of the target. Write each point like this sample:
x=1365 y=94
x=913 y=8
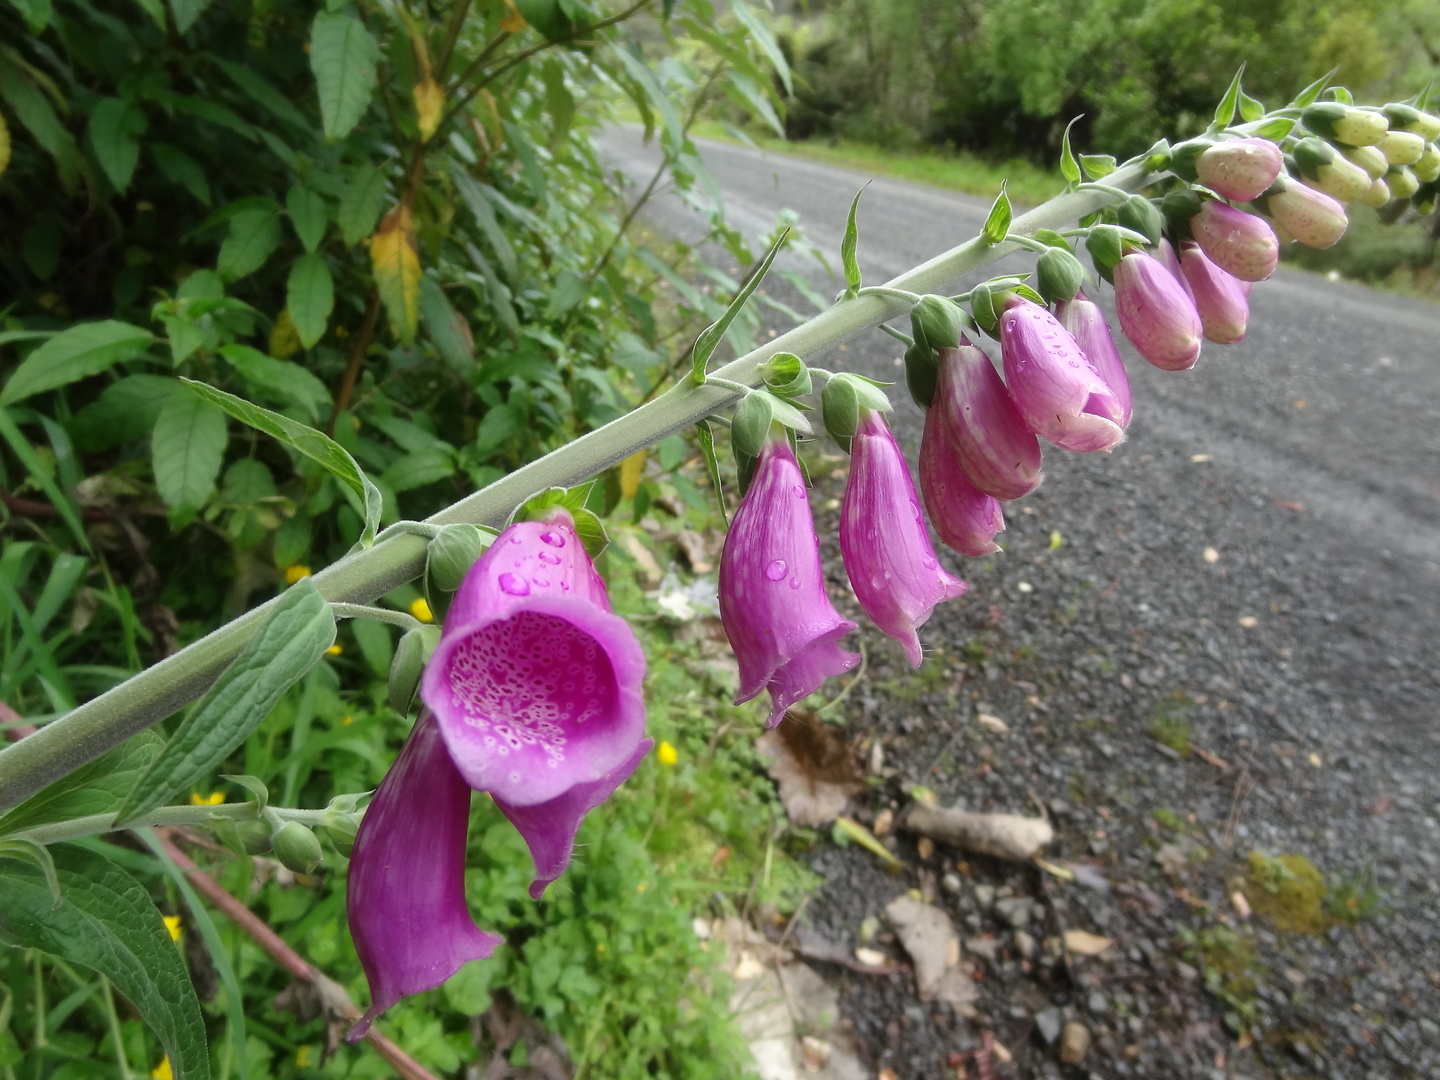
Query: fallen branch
x=1005 y=836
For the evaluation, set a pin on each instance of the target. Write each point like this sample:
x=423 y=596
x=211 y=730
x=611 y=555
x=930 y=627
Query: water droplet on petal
x=554 y=539
x=515 y=539
x=550 y=557
x=930 y=563
x=799 y=490
x=776 y=570
x=794 y=583
x=513 y=584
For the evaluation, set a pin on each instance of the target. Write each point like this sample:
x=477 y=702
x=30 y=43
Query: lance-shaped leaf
x=1069 y=167
x=81 y=351
x=429 y=106
x=396 y=265
x=997 y=222
x=1225 y=111
x=115 y=130
x=306 y=440
x=342 y=56
x=106 y=921
x=849 y=243
x=712 y=463
x=94 y=788
x=291 y=642
x=710 y=337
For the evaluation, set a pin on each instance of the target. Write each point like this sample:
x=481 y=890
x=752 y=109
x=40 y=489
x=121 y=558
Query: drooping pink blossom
x=1219 y=298
x=1157 y=313
x=999 y=453
x=1243 y=245
x=1086 y=323
x=965 y=517
x=1239 y=169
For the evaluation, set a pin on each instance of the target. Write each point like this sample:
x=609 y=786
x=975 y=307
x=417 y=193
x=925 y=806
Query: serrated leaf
x=997 y=222
x=342 y=56
x=279 y=380
x=446 y=327
x=849 y=247
x=250 y=239
x=1225 y=111
x=97 y=787
x=114 y=133
x=396 y=265
x=187 y=446
x=291 y=642
x=1069 y=167
x=710 y=337
x=124 y=411
x=77 y=353
x=309 y=215
x=361 y=204
x=105 y=921
x=310 y=297
x=305 y=440
x=186 y=12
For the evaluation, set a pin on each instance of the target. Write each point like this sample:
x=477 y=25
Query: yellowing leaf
x=513 y=22
x=630 y=471
x=396 y=264
x=284 y=338
x=429 y=105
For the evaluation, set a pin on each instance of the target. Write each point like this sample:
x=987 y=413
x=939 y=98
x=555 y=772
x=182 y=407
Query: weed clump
x=1289 y=891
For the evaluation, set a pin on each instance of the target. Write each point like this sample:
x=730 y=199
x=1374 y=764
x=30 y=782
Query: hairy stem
x=98 y=824
x=88 y=731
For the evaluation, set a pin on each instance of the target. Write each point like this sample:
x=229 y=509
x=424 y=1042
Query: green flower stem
x=377 y=614
x=195 y=816
x=104 y=722
x=1028 y=242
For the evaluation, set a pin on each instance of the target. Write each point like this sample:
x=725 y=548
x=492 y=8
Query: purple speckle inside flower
x=513 y=584
x=530 y=681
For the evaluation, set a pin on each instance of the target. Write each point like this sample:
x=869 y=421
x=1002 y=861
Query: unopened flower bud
x=937 y=322
x=1402 y=181
x=1165 y=252
x=1376 y=195
x=1323 y=168
x=1156 y=314
x=1310 y=216
x=1345 y=123
x=1179 y=207
x=407 y=665
x=341 y=830
x=1401 y=147
x=1241 y=244
x=1104 y=245
x=1058 y=275
x=1409 y=118
x=1219 y=298
x=993 y=446
x=297 y=848
x=1368 y=158
x=1239 y=169
x=451 y=554
x=786 y=375
x=1427 y=169
x=1085 y=322
x=1425 y=199
x=965 y=518
x=1140 y=215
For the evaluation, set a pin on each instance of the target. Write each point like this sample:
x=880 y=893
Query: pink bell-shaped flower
x=1310 y=216
x=773 y=604
x=965 y=517
x=884 y=542
x=1243 y=245
x=1085 y=322
x=1219 y=298
x=1239 y=169
x=405 y=894
x=1156 y=313
x=1059 y=393
x=999 y=453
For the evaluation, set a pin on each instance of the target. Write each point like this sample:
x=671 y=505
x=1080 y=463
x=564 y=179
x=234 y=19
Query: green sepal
x=340 y=830
x=407 y=665
x=922 y=372
x=997 y=222
x=1058 y=275
x=1105 y=247
x=452 y=552
x=1179 y=207
x=241 y=837
x=982 y=307
x=786 y=375
x=750 y=426
x=252 y=784
x=1097 y=166
x=1143 y=216
x=297 y=847
x=1183 y=157
x=937 y=322
x=1311 y=153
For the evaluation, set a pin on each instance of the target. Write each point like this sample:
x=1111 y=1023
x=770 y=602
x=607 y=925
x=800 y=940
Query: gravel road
x=1254 y=574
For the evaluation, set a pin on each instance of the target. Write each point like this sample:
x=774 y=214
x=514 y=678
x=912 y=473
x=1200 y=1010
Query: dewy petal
x=1239 y=169
x=1156 y=313
x=998 y=452
x=1085 y=322
x=884 y=541
x=964 y=516
x=1059 y=393
x=536 y=685
x=1243 y=245
x=773 y=603
x=1219 y=298
x=1165 y=252
x=405 y=895
x=549 y=828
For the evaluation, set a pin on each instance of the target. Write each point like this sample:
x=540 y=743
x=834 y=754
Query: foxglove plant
x=1241 y=244
x=1058 y=392
x=884 y=542
x=773 y=603
x=1239 y=169
x=1219 y=298
x=965 y=518
x=999 y=454
x=1156 y=313
x=1085 y=322
x=1310 y=216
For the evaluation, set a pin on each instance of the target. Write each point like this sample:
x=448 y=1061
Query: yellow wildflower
x=163 y=1070
x=421 y=610
x=215 y=798
x=667 y=754
x=348 y=720
x=335 y=650
x=296 y=573
x=304 y=1058
x=172 y=923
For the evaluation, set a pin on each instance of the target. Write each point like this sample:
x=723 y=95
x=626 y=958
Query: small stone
x=1185 y=971
x=951 y=884
x=985 y=947
x=884 y=820
x=1096 y=1003
x=815 y=1053
x=1048 y=1023
x=984 y=896
x=1074 y=1043
x=1026 y=945
x=925 y=847
x=1014 y=910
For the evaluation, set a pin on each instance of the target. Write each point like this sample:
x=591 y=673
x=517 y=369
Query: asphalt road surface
x=1257 y=566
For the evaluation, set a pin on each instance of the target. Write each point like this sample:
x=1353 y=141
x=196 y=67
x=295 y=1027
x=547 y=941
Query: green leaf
x=187 y=446
x=291 y=642
x=180 y=168
x=36 y=14
x=97 y=787
x=342 y=56
x=1311 y=93
x=28 y=851
x=477 y=199
x=849 y=243
x=997 y=222
x=305 y=440
x=37 y=115
x=309 y=215
x=279 y=380
x=710 y=337
x=1251 y=109
x=1097 y=165
x=310 y=296
x=712 y=462
x=760 y=35
x=77 y=353
x=114 y=132
x=1225 y=111
x=446 y=327
x=186 y=12
x=38 y=473
x=252 y=236
x=1069 y=167
x=361 y=204
x=741 y=89
x=664 y=104
x=419 y=468
x=568 y=290
x=105 y=921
